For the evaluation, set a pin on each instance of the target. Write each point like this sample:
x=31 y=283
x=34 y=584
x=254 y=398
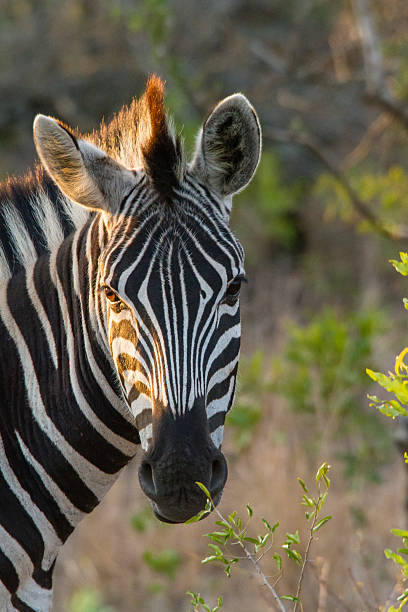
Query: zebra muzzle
x=182 y=454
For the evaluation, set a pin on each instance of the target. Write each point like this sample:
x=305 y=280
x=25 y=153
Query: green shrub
x=322 y=374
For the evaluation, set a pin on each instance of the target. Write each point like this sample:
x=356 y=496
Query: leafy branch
x=233 y=530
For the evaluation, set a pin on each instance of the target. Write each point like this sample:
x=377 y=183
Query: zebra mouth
x=182 y=518
x=162 y=518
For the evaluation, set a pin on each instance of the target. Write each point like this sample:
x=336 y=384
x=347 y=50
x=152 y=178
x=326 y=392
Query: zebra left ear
x=85 y=173
x=228 y=146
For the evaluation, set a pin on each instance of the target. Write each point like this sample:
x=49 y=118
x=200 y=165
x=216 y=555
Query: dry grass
x=106 y=553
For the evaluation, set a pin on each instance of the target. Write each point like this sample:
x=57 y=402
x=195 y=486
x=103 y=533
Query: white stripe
x=47 y=532
x=71 y=512
x=220 y=404
x=223 y=342
x=21 y=242
x=45 y=213
x=35 y=596
x=217 y=435
x=222 y=374
x=146 y=435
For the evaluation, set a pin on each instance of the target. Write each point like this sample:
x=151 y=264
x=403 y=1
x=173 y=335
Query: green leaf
x=197 y=517
x=396 y=558
x=401 y=266
x=307 y=501
x=290 y=597
x=293 y=537
x=249 y=510
x=249 y=539
x=321 y=523
x=231 y=517
x=278 y=560
x=204 y=489
x=216 y=549
x=303 y=485
x=209 y=559
x=402 y=533
x=322 y=473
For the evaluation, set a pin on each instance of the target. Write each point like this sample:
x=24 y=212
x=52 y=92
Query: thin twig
x=399 y=232
x=306 y=555
x=258 y=568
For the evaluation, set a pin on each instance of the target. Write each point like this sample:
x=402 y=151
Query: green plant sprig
x=198 y=602
x=236 y=531
x=315 y=504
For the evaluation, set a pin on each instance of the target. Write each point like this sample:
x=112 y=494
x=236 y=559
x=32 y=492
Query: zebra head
x=168 y=276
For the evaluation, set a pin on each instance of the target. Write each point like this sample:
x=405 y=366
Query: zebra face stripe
x=172 y=309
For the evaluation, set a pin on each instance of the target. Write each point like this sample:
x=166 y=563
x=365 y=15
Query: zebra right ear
x=228 y=146
x=83 y=172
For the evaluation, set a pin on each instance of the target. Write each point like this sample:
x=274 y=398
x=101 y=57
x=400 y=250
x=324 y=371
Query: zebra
x=119 y=324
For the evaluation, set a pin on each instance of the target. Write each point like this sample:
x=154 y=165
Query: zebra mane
x=35 y=216
x=141 y=135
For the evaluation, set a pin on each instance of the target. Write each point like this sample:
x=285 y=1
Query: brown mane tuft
x=140 y=135
x=162 y=151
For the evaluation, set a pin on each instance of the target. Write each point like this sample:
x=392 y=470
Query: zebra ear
x=83 y=172
x=228 y=146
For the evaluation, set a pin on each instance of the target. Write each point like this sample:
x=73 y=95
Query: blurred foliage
x=88 y=600
x=149 y=16
x=266 y=211
x=143 y=519
x=322 y=373
x=166 y=562
x=386 y=193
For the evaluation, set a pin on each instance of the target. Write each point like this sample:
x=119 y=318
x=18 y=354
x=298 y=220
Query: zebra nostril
x=146 y=479
x=219 y=475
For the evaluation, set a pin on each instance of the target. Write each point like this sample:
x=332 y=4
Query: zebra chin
x=182 y=454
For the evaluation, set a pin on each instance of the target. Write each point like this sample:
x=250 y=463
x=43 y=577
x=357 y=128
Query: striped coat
x=119 y=325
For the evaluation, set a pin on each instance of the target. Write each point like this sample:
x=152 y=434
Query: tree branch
x=399 y=232
x=374 y=63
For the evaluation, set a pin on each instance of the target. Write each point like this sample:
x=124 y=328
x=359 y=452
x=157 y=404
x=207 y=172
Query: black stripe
x=8 y=574
x=42 y=578
x=39 y=494
x=19 y=524
x=216 y=420
x=20 y=605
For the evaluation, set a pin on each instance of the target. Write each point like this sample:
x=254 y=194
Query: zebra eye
x=111 y=296
x=233 y=289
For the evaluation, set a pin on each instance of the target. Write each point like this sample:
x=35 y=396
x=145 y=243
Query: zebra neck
x=66 y=434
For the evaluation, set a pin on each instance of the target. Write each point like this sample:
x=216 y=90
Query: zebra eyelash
x=233 y=289
x=112 y=296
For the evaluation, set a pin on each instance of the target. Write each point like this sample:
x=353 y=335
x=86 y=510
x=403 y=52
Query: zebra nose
x=219 y=474
x=146 y=479
x=159 y=482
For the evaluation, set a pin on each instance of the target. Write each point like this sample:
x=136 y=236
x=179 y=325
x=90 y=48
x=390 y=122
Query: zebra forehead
x=171 y=241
